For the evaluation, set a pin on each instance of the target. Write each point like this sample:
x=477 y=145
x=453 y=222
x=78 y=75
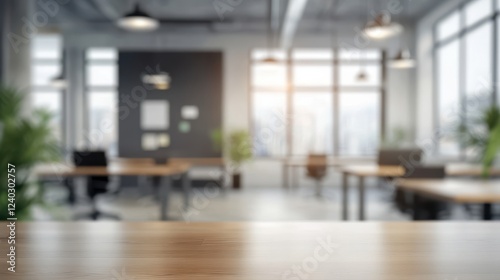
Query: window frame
x=461 y=37
x=88 y=89
x=44 y=89
x=335 y=62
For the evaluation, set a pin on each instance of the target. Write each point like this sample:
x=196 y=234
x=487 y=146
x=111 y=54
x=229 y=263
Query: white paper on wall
x=163 y=140
x=154 y=114
x=149 y=142
x=190 y=112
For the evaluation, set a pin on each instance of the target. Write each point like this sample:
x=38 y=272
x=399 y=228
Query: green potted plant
x=482 y=134
x=25 y=141
x=238 y=147
x=397 y=139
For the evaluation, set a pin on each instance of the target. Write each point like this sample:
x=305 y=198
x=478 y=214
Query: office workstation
x=266 y=139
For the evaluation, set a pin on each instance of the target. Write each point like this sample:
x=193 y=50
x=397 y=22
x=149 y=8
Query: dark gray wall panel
x=196 y=80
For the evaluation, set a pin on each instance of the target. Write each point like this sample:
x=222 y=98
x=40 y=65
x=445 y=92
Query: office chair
x=96 y=185
x=403 y=157
x=316 y=170
x=429 y=208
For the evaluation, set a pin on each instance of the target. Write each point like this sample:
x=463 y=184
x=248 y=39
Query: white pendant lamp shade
x=138 y=21
x=58 y=82
x=160 y=81
x=382 y=28
x=403 y=60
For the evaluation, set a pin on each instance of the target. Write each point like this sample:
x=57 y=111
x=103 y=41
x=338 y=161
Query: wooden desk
x=454 y=190
x=164 y=172
x=294 y=163
x=363 y=171
x=216 y=161
x=469 y=170
x=254 y=251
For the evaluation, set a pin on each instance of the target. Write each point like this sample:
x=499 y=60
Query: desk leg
x=69 y=183
x=186 y=186
x=361 y=202
x=165 y=184
x=487 y=212
x=345 y=197
x=222 y=178
x=416 y=205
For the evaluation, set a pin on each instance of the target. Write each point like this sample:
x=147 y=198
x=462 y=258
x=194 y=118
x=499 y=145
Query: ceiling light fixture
x=138 y=20
x=59 y=82
x=160 y=81
x=382 y=27
x=402 y=60
x=362 y=76
x=273 y=12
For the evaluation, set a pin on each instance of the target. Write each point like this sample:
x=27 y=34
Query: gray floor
x=261 y=199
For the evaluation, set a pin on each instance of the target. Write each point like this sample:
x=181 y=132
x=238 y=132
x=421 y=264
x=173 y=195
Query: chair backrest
x=402 y=157
x=425 y=172
x=92 y=158
x=316 y=165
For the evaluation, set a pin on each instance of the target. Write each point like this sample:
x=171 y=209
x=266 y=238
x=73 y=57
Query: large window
x=46 y=64
x=465 y=68
x=315 y=101
x=101 y=72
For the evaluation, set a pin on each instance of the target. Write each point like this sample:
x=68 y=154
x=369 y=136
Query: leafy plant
x=240 y=148
x=25 y=141
x=217 y=139
x=237 y=145
x=482 y=133
x=398 y=138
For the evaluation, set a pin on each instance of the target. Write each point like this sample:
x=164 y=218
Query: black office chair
x=96 y=185
x=429 y=209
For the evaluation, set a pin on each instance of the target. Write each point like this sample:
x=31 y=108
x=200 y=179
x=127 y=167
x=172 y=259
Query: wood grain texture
x=260 y=251
x=455 y=190
x=465 y=169
x=114 y=168
x=214 y=161
x=332 y=162
x=372 y=170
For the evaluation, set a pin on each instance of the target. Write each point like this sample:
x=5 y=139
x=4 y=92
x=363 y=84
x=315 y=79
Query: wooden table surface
x=373 y=170
x=453 y=169
x=212 y=161
x=114 y=168
x=260 y=251
x=455 y=190
x=336 y=162
x=131 y=168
